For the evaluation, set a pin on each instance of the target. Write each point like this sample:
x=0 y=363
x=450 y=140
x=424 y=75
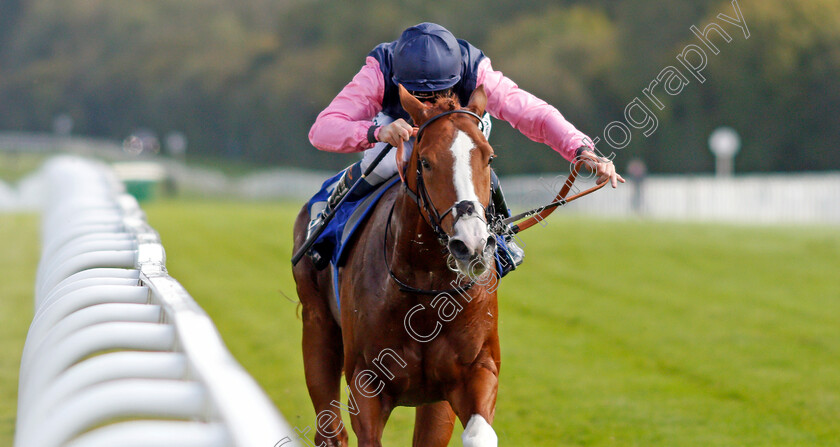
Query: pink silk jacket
x=343 y=125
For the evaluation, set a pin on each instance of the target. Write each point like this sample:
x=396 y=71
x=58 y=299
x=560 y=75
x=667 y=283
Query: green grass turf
x=614 y=333
x=16 y=165
x=18 y=262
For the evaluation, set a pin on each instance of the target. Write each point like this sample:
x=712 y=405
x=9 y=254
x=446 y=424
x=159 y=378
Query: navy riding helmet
x=427 y=58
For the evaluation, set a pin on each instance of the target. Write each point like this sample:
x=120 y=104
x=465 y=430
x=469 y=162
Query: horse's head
x=449 y=172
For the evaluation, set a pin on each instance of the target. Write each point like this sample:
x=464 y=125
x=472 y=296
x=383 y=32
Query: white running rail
x=118 y=353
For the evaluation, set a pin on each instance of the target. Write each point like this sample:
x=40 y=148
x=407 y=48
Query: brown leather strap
x=539 y=214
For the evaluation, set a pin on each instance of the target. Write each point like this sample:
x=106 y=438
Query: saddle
x=337 y=237
x=350 y=217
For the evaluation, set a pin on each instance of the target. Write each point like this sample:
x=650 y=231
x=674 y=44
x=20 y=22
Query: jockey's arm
x=539 y=121
x=343 y=126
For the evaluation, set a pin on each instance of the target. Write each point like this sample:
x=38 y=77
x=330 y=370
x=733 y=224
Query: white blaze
x=471 y=230
x=462 y=152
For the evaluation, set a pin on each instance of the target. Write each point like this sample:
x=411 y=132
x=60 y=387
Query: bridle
x=427 y=208
x=422 y=198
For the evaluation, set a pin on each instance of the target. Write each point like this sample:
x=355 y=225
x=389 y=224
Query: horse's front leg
x=474 y=401
x=433 y=424
x=369 y=410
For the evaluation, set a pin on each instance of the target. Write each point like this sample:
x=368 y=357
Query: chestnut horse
x=411 y=330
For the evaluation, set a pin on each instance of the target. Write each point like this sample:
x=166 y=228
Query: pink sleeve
x=532 y=116
x=343 y=125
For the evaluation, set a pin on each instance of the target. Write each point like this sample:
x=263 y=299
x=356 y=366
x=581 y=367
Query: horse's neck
x=415 y=247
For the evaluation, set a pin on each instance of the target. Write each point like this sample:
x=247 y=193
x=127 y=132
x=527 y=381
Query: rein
x=537 y=215
x=424 y=203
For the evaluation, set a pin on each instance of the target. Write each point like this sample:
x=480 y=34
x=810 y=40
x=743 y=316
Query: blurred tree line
x=244 y=79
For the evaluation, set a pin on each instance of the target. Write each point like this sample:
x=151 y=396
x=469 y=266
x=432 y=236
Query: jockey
x=430 y=62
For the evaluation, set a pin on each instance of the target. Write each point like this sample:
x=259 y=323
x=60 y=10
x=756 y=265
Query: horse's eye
x=490 y=162
x=425 y=164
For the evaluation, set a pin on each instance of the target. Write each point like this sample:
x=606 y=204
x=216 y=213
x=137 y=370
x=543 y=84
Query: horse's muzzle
x=473 y=255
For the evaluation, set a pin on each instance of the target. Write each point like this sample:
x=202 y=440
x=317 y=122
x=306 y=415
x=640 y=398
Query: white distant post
x=63 y=125
x=176 y=144
x=724 y=142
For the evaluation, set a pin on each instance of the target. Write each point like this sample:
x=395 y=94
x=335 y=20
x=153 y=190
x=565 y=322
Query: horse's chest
x=416 y=373
x=425 y=374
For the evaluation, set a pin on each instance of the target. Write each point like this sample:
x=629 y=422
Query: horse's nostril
x=459 y=249
x=491 y=242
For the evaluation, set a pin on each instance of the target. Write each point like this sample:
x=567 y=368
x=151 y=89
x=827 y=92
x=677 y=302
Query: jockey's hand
x=603 y=168
x=396 y=133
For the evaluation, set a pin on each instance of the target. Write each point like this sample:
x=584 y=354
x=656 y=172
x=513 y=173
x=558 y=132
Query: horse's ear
x=412 y=105
x=478 y=101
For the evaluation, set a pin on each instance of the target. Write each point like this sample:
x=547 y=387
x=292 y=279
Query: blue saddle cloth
x=348 y=219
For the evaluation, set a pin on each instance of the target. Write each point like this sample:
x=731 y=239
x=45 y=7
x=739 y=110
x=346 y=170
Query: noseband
x=422 y=198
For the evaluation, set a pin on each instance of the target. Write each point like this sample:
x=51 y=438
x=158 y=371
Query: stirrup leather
x=318 y=253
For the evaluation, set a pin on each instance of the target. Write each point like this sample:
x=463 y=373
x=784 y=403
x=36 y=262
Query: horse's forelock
x=447 y=103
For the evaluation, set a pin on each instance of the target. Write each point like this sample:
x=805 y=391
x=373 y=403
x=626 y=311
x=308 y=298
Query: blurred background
x=693 y=333
x=244 y=80
x=226 y=83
